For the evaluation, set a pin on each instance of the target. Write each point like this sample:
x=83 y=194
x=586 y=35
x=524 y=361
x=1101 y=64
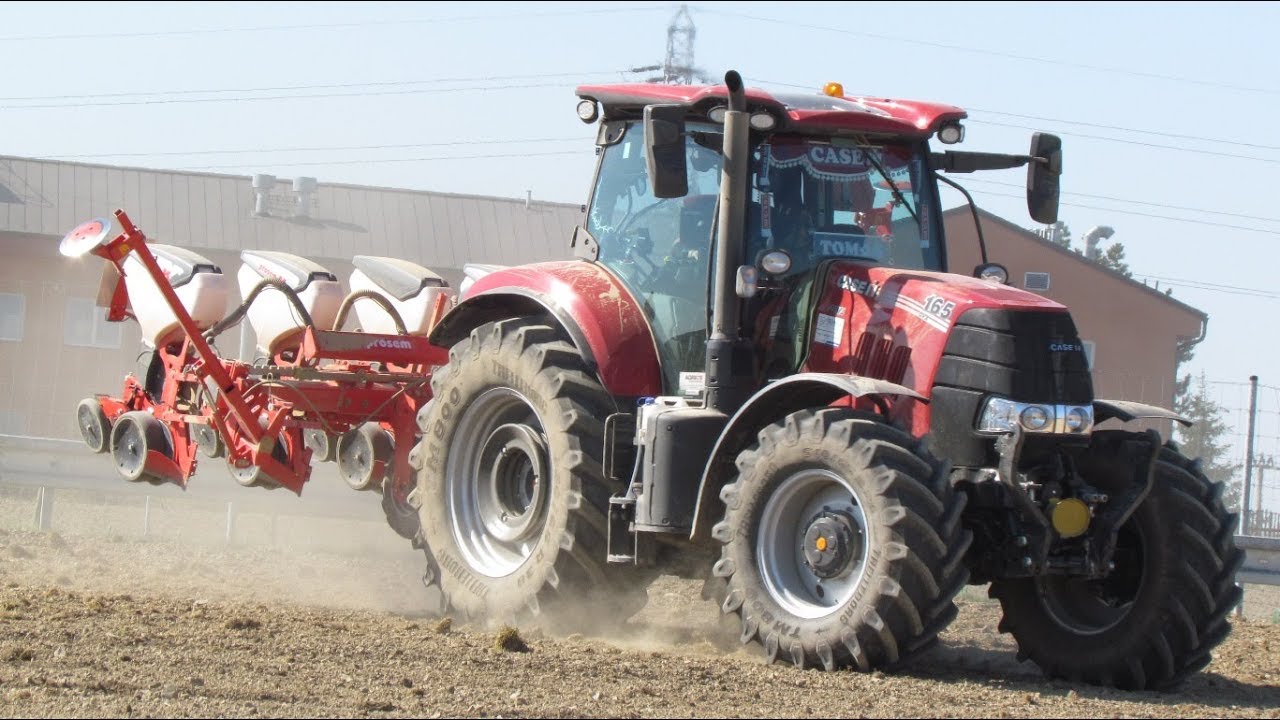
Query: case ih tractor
x=762 y=372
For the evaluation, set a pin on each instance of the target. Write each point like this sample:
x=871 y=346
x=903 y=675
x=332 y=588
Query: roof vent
x=1036 y=281
x=304 y=188
x=262 y=185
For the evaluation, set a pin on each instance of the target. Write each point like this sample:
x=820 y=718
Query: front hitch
x=1143 y=453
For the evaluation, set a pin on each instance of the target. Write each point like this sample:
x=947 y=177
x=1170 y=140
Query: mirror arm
x=967 y=162
x=977 y=223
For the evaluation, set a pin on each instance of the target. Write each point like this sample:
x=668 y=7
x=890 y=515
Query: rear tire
x=514 y=501
x=842 y=543
x=1156 y=618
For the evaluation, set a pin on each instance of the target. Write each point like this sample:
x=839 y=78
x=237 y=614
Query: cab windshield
x=820 y=200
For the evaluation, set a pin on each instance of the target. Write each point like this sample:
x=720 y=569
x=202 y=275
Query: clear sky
x=1187 y=94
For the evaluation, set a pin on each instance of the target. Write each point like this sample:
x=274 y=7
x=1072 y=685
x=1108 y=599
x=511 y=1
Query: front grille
x=1028 y=356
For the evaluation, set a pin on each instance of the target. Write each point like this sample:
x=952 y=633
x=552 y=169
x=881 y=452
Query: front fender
x=592 y=307
x=770 y=404
x=1126 y=411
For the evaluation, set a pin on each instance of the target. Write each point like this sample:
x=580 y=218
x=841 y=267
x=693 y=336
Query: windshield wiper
x=893 y=186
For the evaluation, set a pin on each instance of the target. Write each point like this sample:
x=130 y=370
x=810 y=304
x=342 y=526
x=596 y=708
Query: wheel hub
x=812 y=543
x=512 y=491
x=831 y=543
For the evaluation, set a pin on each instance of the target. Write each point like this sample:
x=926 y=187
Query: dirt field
x=96 y=621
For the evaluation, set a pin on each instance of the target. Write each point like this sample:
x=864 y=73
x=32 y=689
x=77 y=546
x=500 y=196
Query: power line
x=283 y=88
x=183 y=101
x=185 y=153
x=1247 y=292
x=1197 y=151
x=994 y=53
x=388 y=160
x=1127 y=129
x=1142 y=214
x=1139 y=202
x=1215 y=286
x=331 y=26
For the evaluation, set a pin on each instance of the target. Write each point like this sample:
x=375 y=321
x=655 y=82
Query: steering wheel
x=637 y=247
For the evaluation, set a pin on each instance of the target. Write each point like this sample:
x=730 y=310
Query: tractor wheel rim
x=1092 y=607
x=812 y=545
x=497 y=482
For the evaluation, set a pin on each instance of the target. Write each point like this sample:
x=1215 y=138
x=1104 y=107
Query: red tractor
x=762 y=370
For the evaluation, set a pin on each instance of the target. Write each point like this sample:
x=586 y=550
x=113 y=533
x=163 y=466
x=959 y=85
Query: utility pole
x=678 y=66
x=1248 y=452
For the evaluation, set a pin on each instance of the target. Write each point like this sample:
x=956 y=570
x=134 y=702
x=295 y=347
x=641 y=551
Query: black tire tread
x=914 y=599
x=581 y=573
x=1202 y=593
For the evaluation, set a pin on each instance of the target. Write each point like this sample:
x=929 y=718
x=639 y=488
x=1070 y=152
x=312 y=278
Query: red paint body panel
x=608 y=318
x=893 y=324
x=804 y=111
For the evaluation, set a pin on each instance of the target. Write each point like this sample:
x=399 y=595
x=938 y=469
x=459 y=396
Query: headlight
x=1078 y=419
x=1001 y=415
x=776 y=262
x=588 y=111
x=1036 y=418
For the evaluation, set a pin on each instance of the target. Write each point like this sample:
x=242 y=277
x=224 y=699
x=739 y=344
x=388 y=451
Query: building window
x=11 y=423
x=85 y=325
x=13 y=312
x=1088 y=352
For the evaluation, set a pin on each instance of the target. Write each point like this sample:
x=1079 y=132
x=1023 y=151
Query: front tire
x=1154 y=620
x=842 y=542
x=514 y=500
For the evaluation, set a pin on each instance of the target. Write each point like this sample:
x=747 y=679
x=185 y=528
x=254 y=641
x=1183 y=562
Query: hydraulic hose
x=349 y=301
x=238 y=314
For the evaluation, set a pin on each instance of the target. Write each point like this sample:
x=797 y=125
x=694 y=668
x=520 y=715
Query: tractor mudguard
x=598 y=314
x=1126 y=411
x=773 y=402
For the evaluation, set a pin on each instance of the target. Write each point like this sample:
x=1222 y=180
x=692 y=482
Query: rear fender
x=596 y=312
x=770 y=404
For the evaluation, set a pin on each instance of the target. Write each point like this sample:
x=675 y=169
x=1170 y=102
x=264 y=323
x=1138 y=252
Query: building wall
x=43 y=376
x=1134 y=329
x=64 y=354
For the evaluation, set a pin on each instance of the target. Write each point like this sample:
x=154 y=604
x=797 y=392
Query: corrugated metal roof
x=212 y=211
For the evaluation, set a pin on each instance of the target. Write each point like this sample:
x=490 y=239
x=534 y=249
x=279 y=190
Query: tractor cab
x=824 y=182
x=827 y=181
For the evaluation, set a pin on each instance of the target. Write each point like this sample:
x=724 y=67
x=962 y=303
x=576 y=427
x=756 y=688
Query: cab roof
x=808 y=113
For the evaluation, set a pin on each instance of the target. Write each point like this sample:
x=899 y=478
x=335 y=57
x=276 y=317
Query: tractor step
x=623 y=540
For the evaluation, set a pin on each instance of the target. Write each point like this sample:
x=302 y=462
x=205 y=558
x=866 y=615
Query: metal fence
x=45 y=469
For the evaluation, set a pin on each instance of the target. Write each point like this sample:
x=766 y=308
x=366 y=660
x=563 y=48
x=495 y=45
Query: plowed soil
x=93 y=626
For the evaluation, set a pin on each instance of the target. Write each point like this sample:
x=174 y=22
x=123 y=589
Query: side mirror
x=664 y=150
x=1043 y=172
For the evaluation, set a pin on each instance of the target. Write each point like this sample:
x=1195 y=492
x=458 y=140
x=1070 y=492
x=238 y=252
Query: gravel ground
x=109 y=624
